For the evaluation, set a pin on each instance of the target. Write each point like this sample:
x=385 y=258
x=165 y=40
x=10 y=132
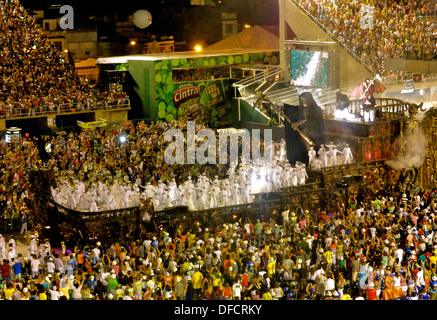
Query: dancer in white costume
x=323 y=156
x=311 y=157
x=347 y=153
x=332 y=153
x=302 y=174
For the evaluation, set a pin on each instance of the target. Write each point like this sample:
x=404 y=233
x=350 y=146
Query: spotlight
x=122 y=139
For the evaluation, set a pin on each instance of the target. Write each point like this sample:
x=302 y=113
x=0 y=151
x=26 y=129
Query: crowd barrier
x=11 y=113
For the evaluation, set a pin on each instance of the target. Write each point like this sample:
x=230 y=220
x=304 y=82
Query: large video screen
x=309 y=68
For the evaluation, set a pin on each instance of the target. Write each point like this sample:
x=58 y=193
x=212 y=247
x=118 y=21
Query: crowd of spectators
x=17 y=159
x=380 y=249
x=130 y=154
x=91 y=157
x=35 y=75
x=381 y=246
x=401 y=29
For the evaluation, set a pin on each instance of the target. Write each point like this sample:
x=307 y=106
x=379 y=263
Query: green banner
x=205 y=102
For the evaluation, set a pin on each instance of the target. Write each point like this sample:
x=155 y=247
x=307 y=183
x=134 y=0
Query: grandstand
x=397 y=41
x=37 y=80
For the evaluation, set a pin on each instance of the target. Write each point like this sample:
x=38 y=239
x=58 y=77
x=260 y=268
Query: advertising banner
x=204 y=102
x=207 y=74
x=92 y=124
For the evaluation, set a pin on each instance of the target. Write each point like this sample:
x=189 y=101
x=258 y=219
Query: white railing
x=17 y=112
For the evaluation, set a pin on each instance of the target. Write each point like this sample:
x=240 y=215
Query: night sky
x=172 y=17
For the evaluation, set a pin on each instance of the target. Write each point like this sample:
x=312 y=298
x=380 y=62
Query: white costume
x=312 y=156
x=347 y=153
x=323 y=156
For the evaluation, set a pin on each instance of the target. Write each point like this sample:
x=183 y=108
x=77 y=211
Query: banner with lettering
x=205 y=102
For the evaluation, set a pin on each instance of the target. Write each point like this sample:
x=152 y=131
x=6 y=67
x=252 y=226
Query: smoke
x=412 y=149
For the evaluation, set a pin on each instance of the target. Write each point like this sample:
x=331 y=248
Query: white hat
x=113 y=276
x=110 y=296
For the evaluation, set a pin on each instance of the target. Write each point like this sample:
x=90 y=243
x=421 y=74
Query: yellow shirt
x=328 y=256
x=65 y=291
x=271 y=268
x=8 y=293
x=433 y=259
x=345 y=297
x=267 y=296
x=197 y=280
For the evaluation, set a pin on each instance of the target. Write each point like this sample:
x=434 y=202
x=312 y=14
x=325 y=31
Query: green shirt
x=112 y=284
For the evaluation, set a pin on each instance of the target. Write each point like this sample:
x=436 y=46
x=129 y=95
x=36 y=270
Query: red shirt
x=227 y=293
x=5 y=269
x=209 y=294
x=371 y=294
x=245 y=280
x=227 y=264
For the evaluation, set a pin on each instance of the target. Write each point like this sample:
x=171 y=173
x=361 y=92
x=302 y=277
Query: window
x=58 y=45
